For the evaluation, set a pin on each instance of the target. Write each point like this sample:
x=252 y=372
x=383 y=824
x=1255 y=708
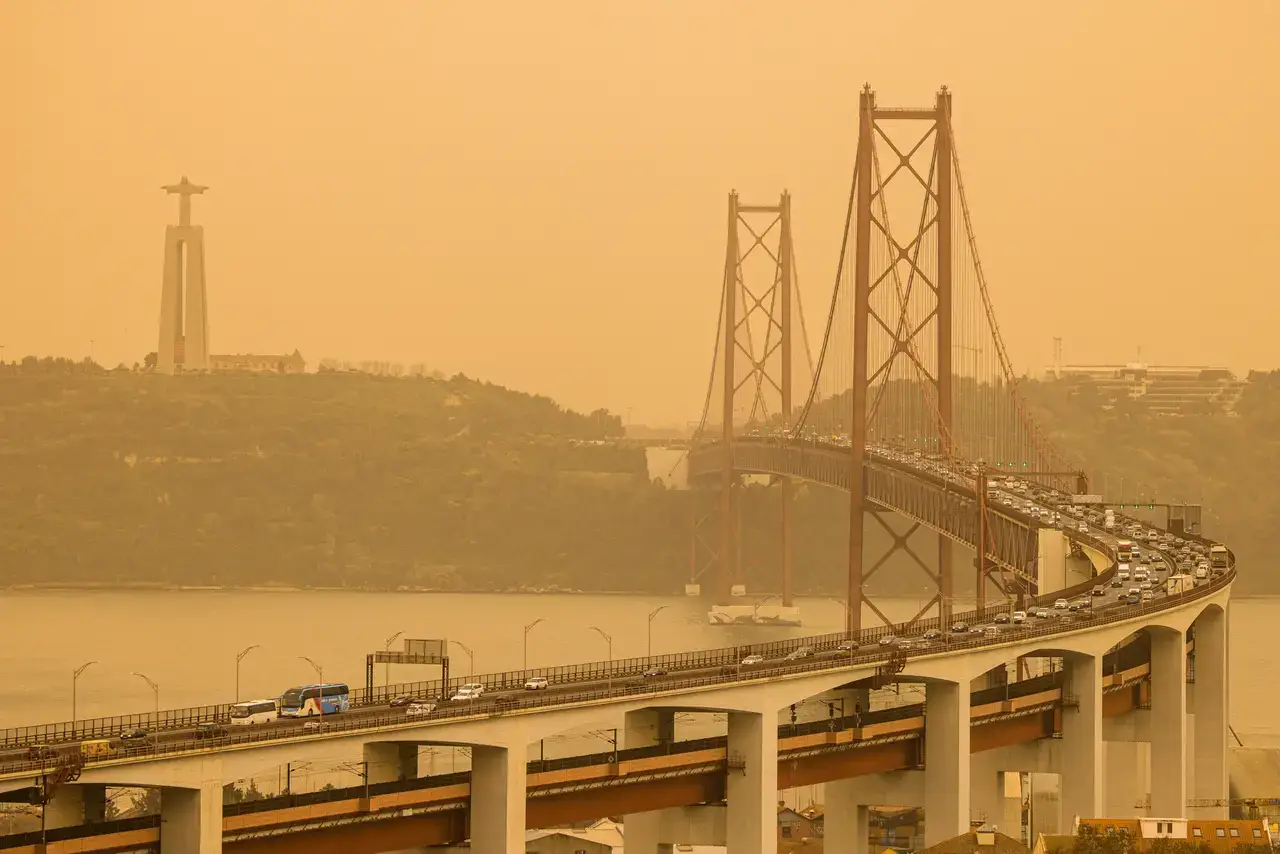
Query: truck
x=1218 y=556
x=1179 y=584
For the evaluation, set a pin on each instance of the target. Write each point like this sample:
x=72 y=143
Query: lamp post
x=528 y=629
x=319 y=675
x=386 y=667
x=655 y=612
x=471 y=659
x=75 y=676
x=155 y=689
x=609 y=641
x=239 y=658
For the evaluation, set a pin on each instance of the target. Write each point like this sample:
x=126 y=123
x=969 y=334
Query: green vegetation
x=350 y=480
x=1227 y=463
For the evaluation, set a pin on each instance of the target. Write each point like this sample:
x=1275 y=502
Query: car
x=991 y=631
x=1082 y=528
x=476 y=688
x=1002 y=619
x=654 y=673
x=1019 y=617
x=133 y=735
x=37 y=752
x=1117 y=582
x=960 y=628
x=414 y=710
x=975 y=630
x=848 y=646
x=402 y=700
x=1099 y=590
x=888 y=640
x=752 y=660
x=1042 y=613
x=465 y=693
x=932 y=634
x=1061 y=604
x=316 y=726
x=536 y=683
x=210 y=731
x=799 y=653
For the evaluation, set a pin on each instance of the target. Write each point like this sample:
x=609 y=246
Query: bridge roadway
x=434 y=810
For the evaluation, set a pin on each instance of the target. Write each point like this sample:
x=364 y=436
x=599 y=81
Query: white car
x=752 y=659
x=414 y=710
x=537 y=683
x=470 y=691
x=1059 y=604
x=1019 y=617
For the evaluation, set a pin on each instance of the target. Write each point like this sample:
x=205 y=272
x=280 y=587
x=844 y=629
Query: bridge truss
x=911 y=359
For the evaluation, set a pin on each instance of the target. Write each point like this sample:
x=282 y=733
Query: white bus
x=253 y=712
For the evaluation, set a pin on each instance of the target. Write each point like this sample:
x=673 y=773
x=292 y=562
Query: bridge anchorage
x=911 y=367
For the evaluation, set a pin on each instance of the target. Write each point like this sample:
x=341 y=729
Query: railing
x=729 y=675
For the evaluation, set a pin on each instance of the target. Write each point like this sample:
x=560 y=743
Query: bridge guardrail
x=538 y=699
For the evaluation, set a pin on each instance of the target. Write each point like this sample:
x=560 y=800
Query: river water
x=186 y=642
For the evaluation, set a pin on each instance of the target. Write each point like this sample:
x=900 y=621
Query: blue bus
x=307 y=700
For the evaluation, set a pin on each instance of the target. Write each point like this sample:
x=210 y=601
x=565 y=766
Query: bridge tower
x=751 y=390
x=871 y=197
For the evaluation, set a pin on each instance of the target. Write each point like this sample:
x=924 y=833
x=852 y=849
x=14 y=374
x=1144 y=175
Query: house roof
x=967 y=843
x=603 y=832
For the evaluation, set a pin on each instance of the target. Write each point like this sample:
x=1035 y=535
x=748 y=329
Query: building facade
x=292 y=363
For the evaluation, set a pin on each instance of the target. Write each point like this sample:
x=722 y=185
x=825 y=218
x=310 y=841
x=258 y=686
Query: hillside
x=1228 y=464
x=328 y=479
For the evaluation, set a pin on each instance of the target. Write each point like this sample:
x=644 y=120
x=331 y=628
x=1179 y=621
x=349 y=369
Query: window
x=1195 y=831
x=1220 y=833
x=1257 y=834
x=1235 y=831
x=786 y=828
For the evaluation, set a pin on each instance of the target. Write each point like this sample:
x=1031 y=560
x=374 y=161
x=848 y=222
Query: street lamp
x=154 y=687
x=527 y=629
x=608 y=640
x=655 y=612
x=239 y=658
x=75 y=676
x=320 y=675
x=386 y=667
x=471 y=659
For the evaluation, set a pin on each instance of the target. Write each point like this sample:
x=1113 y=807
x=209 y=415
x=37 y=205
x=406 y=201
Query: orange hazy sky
x=534 y=193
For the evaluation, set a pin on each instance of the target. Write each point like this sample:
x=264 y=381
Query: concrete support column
x=74 y=804
x=191 y=820
x=995 y=794
x=1082 y=738
x=1168 y=724
x=497 y=800
x=1211 y=713
x=1126 y=782
x=647 y=728
x=846 y=823
x=946 y=761
x=751 y=787
x=390 y=761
